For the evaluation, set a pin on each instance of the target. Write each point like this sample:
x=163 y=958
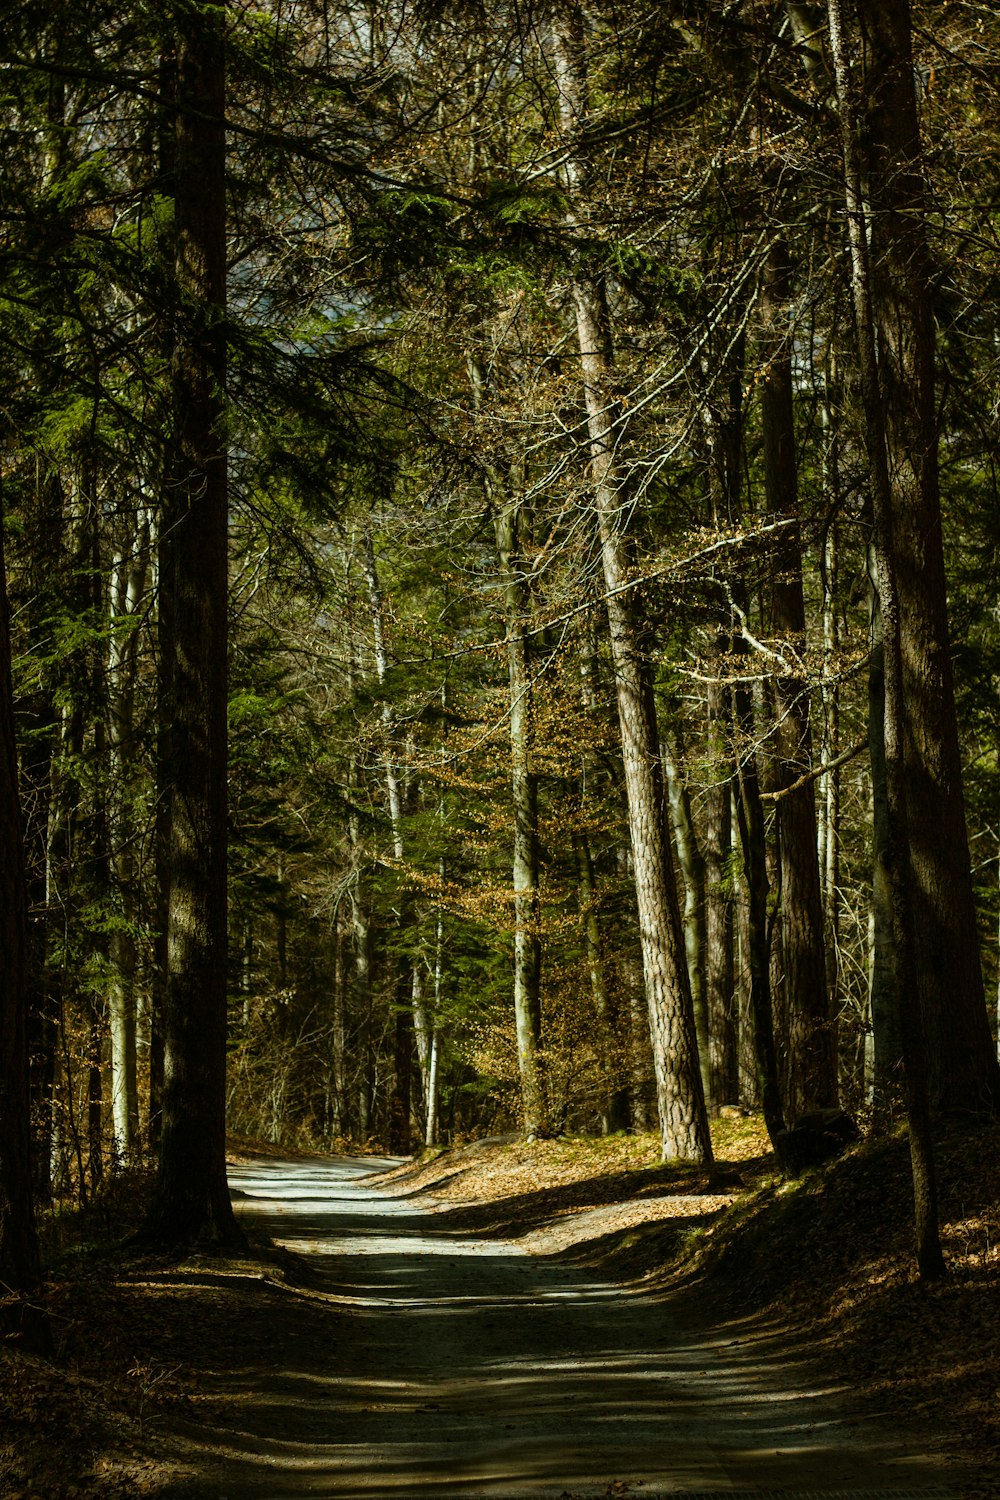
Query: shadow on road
x=417 y=1360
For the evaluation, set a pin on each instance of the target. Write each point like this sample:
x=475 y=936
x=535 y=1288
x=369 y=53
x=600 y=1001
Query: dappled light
x=464 y=1366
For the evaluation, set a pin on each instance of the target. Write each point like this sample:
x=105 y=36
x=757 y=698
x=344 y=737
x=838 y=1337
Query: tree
x=20 y=1267
x=192 y=1197
x=965 y=1075
x=680 y=1094
x=898 y=705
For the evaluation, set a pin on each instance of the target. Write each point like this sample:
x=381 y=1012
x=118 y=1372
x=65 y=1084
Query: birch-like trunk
x=431 y=1090
x=129 y=580
x=524 y=807
x=400 y=1099
x=683 y=1117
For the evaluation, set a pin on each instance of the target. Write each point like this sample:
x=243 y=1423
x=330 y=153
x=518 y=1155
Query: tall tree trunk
x=746 y=1046
x=336 y=1122
x=898 y=704
x=128 y=588
x=614 y=1100
x=812 y=1058
x=45 y=540
x=728 y=1003
x=692 y=865
x=363 y=983
x=20 y=1265
x=964 y=1074
x=95 y=1096
x=402 y=1081
x=422 y=1024
x=829 y=842
x=191 y=1199
x=611 y=1044
x=683 y=1117
x=524 y=805
x=431 y=1091
x=400 y=1102
x=750 y=817
x=167 y=151
x=720 y=978
x=884 y=998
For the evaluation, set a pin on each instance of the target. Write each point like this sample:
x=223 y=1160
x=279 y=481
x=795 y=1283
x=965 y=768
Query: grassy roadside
x=137 y=1343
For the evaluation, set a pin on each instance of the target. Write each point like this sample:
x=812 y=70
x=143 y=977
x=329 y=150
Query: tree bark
x=39 y=714
x=337 y=1121
x=434 y=1060
x=128 y=587
x=750 y=817
x=720 y=977
x=402 y=1081
x=692 y=865
x=614 y=1101
x=964 y=1074
x=829 y=842
x=729 y=1025
x=884 y=998
x=683 y=1117
x=812 y=1057
x=898 y=704
x=20 y=1265
x=191 y=1199
x=524 y=806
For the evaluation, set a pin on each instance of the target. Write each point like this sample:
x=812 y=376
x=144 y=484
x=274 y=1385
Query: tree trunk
x=886 y=1018
x=402 y=1082
x=611 y=1044
x=692 y=864
x=614 y=1101
x=720 y=979
x=812 y=1058
x=524 y=805
x=898 y=705
x=400 y=1102
x=829 y=842
x=964 y=1074
x=683 y=1117
x=40 y=720
x=431 y=1092
x=167 y=149
x=20 y=1265
x=729 y=1026
x=746 y=1047
x=336 y=1125
x=750 y=816
x=128 y=588
x=191 y=1199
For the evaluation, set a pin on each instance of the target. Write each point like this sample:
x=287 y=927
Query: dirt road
x=463 y=1367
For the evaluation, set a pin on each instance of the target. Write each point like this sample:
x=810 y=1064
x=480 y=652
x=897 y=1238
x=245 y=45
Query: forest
x=500 y=633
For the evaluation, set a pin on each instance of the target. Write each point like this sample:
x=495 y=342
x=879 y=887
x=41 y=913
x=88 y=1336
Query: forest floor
x=146 y=1350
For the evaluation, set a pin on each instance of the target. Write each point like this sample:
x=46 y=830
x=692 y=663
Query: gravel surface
x=461 y=1366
